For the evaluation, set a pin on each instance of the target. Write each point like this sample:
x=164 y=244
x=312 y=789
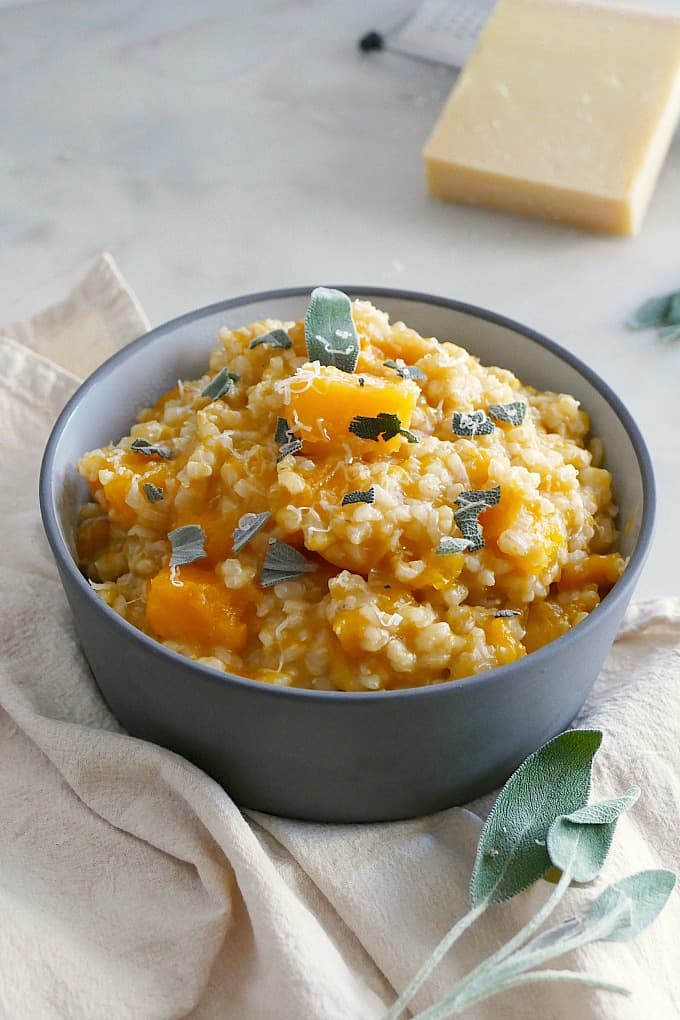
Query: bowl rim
x=539 y=658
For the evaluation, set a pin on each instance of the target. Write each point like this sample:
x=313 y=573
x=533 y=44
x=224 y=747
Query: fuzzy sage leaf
x=152 y=492
x=150 y=449
x=276 y=338
x=471 y=423
x=651 y=313
x=220 y=384
x=283 y=563
x=470 y=505
x=581 y=841
x=384 y=426
x=405 y=371
x=359 y=497
x=330 y=333
x=449 y=545
x=513 y=413
x=247 y=528
x=188 y=545
x=636 y=901
x=553 y=781
x=286 y=438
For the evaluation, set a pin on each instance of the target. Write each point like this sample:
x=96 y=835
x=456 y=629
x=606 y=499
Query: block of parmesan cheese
x=565 y=110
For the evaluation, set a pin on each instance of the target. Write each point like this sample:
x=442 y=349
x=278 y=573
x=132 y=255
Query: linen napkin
x=133 y=888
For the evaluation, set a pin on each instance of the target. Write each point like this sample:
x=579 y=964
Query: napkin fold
x=133 y=888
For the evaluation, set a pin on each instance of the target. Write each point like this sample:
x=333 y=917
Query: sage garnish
x=501 y=614
x=276 y=337
x=657 y=311
x=470 y=505
x=405 y=371
x=330 y=333
x=220 y=384
x=383 y=425
x=513 y=413
x=247 y=528
x=286 y=438
x=542 y=819
x=188 y=544
x=150 y=449
x=359 y=497
x=283 y=563
x=152 y=492
x=452 y=545
x=471 y=423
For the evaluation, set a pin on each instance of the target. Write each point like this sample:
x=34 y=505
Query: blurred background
x=217 y=148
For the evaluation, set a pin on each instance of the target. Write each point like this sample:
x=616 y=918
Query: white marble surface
x=217 y=148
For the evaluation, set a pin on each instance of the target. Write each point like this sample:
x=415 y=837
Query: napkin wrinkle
x=133 y=888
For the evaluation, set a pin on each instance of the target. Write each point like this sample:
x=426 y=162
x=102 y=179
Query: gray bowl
x=334 y=756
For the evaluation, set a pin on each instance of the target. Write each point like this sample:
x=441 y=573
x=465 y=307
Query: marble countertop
x=216 y=152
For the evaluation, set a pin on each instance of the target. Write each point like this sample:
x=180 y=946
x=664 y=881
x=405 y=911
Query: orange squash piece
x=322 y=406
x=197 y=609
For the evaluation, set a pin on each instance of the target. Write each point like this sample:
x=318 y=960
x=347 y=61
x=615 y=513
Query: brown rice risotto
x=340 y=503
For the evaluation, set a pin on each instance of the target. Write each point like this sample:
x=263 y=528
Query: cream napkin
x=132 y=887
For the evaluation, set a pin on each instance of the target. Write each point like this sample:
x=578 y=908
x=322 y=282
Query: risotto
x=340 y=503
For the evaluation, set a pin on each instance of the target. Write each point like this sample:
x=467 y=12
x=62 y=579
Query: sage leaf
x=152 y=492
x=286 y=438
x=452 y=545
x=359 y=497
x=633 y=903
x=150 y=449
x=652 y=313
x=669 y=333
x=470 y=505
x=405 y=371
x=384 y=425
x=580 y=842
x=247 y=528
x=471 y=423
x=553 y=781
x=276 y=337
x=188 y=544
x=220 y=384
x=513 y=413
x=330 y=333
x=283 y=563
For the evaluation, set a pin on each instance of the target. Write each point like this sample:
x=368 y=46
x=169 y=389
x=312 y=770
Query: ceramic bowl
x=335 y=756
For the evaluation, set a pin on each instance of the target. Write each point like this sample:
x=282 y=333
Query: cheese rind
x=564 y=111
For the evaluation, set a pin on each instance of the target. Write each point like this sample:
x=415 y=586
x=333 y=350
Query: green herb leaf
x=580 y=841
x=220 y=384
x=470 y=505
x=359 y=497
x=652 y=313
x=471 y=423
x=149 y=449
x=276 y=337
x=553 y=781
x=283 y=563
x=634 y=903
x=330 y=333
x=513 y=413
x=188 y=544
x=247 y=528
x=152 y=492
x=501 y=614
x=452 y=545
x=405 y=371
x=286 y=439
x=383 y=425
x=669 y=333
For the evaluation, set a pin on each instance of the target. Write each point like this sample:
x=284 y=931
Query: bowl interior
x=108 y=403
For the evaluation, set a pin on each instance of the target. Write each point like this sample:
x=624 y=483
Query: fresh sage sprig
x=659 y=312
x=542 y=819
